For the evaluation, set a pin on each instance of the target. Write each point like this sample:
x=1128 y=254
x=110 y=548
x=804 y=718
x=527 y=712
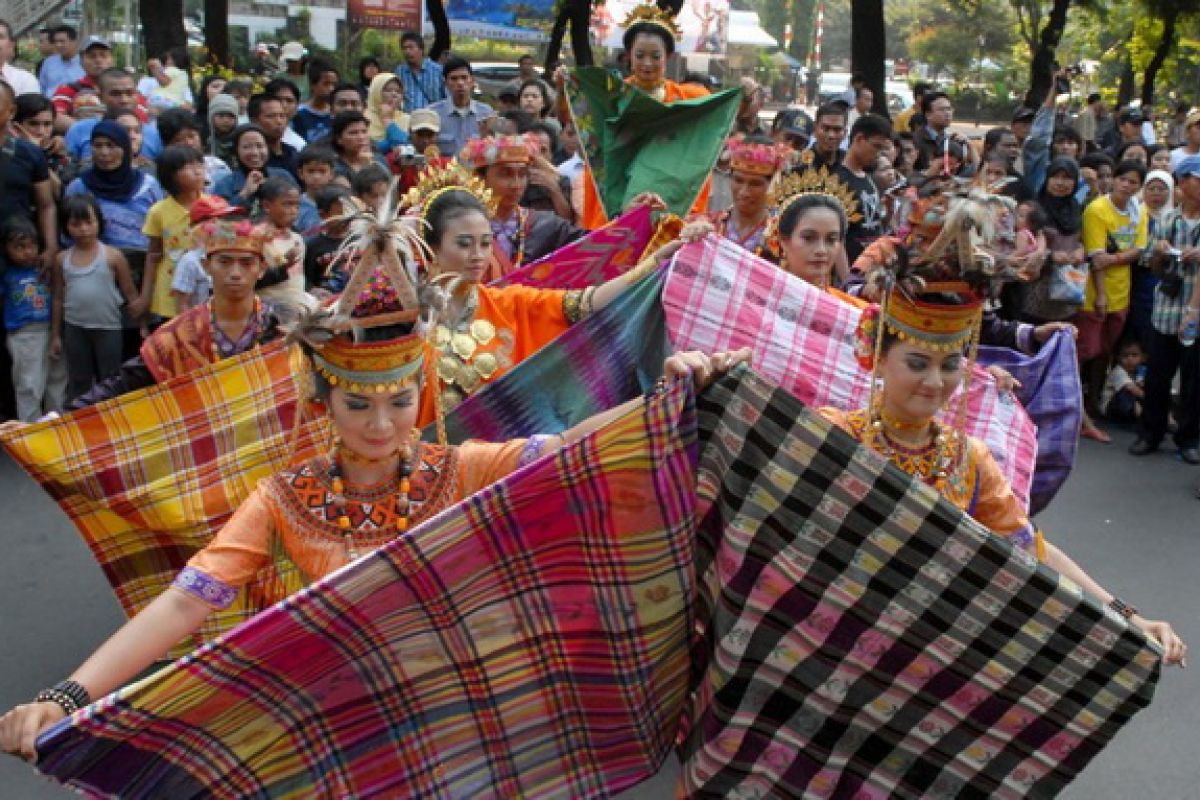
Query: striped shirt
x=422 y=87
x=1182 y=233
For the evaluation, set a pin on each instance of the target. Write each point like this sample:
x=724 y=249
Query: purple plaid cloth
x=1051 y=394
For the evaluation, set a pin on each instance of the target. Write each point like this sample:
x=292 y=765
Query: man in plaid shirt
x=421 y=76
x=1172 y=310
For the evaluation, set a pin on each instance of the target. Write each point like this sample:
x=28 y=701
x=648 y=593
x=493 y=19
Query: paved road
x=1134 y=523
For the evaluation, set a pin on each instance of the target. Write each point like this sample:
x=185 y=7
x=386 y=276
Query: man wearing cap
x=1191 y=140
x=422 y=78
x=22 y=81
x=423 y=127
x=97 y=57
x=232 y=321
x=64 y=66
x=291 y=58
x=1171 y=314
x=792 y=127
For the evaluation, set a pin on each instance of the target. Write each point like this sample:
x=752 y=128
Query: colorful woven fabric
x=721 y=297
x=859 y=637
x=1051 y=394
x=150 y=477
x=603 y=254
x=607 y=358
x=529 y=642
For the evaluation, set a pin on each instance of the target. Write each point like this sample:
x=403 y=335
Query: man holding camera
x=1176 y=307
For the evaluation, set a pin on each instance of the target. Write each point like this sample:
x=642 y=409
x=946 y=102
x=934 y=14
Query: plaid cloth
x=529 y=642
x=721 y=297
x=1051 y=394
x=150 y=477
x=860 y=637
x=600 y=362
x=600 y=255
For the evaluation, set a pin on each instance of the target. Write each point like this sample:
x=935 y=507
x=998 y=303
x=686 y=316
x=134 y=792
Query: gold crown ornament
x=651 y=14
x=820 y=181
x=434 y=181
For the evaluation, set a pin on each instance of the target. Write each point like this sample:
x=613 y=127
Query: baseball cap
x=794 y=121
x=1188 y=166
x=96 y=41
x=424 y=120
x=211 y=206
x=1131 y=115
x=293 y=51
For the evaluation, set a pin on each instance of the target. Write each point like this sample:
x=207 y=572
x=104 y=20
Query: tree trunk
x=578 y=15
x=216 y=31
x=441 y=28
x=1041 y=71
x=1160 y=56
x=1125 y=87
x=162 y=26
x=868 y=40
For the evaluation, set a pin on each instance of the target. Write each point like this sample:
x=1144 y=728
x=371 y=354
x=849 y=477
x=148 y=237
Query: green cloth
x=635 y=144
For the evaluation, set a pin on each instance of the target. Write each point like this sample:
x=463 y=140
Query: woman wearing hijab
x=123 y=192
x=387 y=124
x=1158 y=200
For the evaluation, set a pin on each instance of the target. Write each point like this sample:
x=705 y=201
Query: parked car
x=492 y=76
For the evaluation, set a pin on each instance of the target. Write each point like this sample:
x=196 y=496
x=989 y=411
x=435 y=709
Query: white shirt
x=294 y=139
x=21 y=81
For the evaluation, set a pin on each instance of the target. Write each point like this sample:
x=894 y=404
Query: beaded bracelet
x=1121 y=607
x=69 y=695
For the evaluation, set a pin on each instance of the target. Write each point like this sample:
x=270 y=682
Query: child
x=222 y=121
x=283 y=249
x=322 y=276
x=1030 y=249
x=191 y=285
x=316 y=167
x=314 y=119
x=240 y=90
x=180 y=127
x=172 y=89
x=370 y=185
x=1124 y=389
x=168 y=226
x=39 y=372
x=87 y=277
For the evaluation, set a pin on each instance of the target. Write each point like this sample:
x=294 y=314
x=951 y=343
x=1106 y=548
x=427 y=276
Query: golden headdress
x=435 y=181
x=820 y=181
x=651 y=14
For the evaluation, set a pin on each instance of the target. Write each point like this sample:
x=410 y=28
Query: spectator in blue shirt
x=314 y=119
x=64 y=66
x=460 y=116
x=421 y=76
x=117 y=92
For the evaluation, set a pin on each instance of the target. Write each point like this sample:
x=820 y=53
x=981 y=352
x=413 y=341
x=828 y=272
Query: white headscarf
x=1165 y=177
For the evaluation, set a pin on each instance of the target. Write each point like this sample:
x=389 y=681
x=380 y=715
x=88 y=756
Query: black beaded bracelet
x=69 y=695
x=1121 y=607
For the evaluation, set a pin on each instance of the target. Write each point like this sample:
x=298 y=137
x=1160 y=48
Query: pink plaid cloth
x=721 y=297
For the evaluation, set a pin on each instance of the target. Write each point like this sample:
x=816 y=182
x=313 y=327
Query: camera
x=407 y=156
x=1062 y=85
x=1171 y=284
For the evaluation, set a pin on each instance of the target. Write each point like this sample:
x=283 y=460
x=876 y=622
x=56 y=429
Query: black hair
x=523 y=120
x=202 y=95
x=316 y=154
x=254 y=108
x=1127 y=166
x=317 y=67
x=80 y=207
x=921 y=88
x=114 y=114
x=830 y=110
x=446 y=208
x=275 y=186
x=1094 y=97
x=916 y=122
x=70 y=31
x=456 y=63
x=1037 y=219
x=368 y=177
x=16 y=228
x=929 y=99
x=347 y=86
x=648 y=29
x=869 y=125
x=1125 y=344
x=1130 y=116
x=31 y=104
x=412 y=36
x=864 y=88
x=235 y=138
x=341 y=122
x=174 y=121
x=992 y=138
x=541 y=87
x=1096 y=160
x=365 y=62
x=1123 y=149
x=238 y=85
x=112 y=73
x=542 y=127
x=277 y=85
x=326 y=196
x=171 y=160
x=805 y=203
x=1067 y=133
x=179 y=55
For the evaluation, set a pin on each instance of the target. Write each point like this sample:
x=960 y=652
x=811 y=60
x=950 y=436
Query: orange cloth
x=857 y=302
x=984 y=493
x=293 y=514
x=181 y=345
x=594 y=215
x=523 y=319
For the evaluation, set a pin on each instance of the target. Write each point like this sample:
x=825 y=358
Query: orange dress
x=594 y=216
x=508 y=325
x=978 y=487
x=293 y=514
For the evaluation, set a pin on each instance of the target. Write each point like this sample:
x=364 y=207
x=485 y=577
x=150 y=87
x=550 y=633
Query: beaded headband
x=756 y=159
x=819 y=181
x=365 y=367
x=651 y=14
x=480 y=153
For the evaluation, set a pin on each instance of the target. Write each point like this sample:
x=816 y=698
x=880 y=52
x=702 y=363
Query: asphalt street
x=1133 y=523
